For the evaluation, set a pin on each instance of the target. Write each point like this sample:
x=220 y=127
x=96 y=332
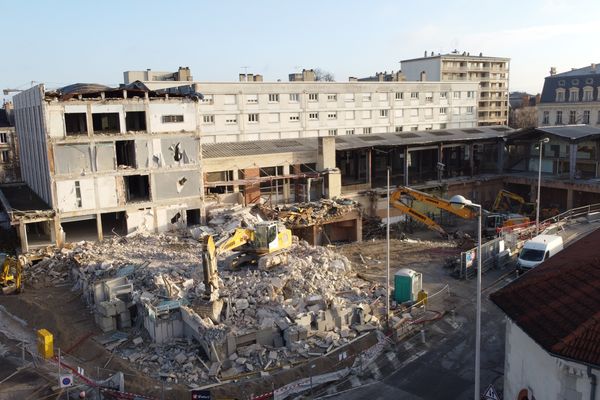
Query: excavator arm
x=502 y=194
x=442 y=204
x=431 y=224
x=209 y=268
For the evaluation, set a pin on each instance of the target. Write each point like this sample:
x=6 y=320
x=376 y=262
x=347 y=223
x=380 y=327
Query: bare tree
x=525 y=117
x=322 y=75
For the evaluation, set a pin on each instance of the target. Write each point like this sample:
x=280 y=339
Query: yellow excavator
x=11 y=273
x=266 y=244
x=403 y=195
x=504 y=203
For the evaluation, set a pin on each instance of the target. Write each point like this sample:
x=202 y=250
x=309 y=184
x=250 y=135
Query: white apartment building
x=492 y=74
x=245 y=111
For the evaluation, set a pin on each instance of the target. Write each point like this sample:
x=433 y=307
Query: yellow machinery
x=265 y=244
x=11 y=273
x=401 y=197
x=45 y=344
x=503 y=203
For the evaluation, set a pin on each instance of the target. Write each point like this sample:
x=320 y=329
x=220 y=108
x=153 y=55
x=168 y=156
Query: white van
x=538 y=249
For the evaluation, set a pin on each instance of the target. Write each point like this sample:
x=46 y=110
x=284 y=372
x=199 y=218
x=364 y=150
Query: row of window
x=573 y=117
x=333 y=115
x=368 y=131
x=349 y=97
x=588 y=95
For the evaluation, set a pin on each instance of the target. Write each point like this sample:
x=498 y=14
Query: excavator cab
x=266 y=237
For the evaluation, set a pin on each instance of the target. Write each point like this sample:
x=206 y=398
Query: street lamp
x=537 y=200
x=459 y=201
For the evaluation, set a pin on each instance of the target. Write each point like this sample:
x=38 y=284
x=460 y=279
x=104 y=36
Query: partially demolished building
x=107 y=161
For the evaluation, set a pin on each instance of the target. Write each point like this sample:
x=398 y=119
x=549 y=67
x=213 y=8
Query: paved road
x=443 y=367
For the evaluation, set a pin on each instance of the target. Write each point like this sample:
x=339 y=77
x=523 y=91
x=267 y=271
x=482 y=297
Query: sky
x=61 y=42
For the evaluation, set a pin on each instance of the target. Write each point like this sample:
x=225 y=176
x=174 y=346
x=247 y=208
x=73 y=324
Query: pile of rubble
x=307 y=214
x=271 y=318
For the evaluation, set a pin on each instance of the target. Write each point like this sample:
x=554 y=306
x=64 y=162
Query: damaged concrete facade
x=9 y=156
x=110 y=162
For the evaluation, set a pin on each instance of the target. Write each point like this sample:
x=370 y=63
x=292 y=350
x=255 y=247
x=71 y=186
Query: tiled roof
x=558 y=303
x=578 y=78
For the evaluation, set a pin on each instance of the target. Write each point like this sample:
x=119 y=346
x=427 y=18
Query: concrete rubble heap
x=271 y=318
x=305 y=214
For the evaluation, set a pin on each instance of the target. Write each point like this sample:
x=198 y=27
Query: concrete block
x=107 y=324
x=120 y=306
x=124 y=320
x=302 y=333
x=277 y=340
x=106 y=308
x=303 y=320
x=265 y=337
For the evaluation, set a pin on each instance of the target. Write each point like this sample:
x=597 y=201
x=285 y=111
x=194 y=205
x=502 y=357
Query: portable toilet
x=407 y=285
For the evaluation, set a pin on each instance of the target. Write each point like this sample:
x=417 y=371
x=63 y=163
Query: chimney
x=250 y=77
x=258 y=78
x=552 y=71
x=425 y=54
x=242 y=77
x=423 y=76
x=593 y=67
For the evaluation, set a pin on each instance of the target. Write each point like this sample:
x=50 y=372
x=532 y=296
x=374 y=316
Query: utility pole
x=387 y=234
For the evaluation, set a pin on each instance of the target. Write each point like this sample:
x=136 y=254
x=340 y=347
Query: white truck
x=537 y=250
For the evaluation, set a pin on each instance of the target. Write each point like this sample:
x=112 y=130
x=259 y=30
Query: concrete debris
x=305 y=307
x=306 y=214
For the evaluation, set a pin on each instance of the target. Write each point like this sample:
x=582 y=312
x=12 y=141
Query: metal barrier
x=489 y=252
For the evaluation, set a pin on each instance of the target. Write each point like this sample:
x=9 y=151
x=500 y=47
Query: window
x=253 y=118
x=470 y=94
x=455 y=110
x=428 y=113
x=383 y=97
x=207 y=99
x=572 y=116
x=106 y=122
x=294 y=118
x=443 y=110
x=349 y=97
x=383 y=113
x=414 y=112
x=135 y=121
x=546 y=118
x=75 y=124
x=470 y=110
x=560 y=96
x=208 y=119
x=231 y=120
x=414 y=128
x=349 y=131
x=598 y=118
x=443 y=95
x=586 y=117
x=399 y=96
x=429 y=97
x=229 y=99
x=366 y=114
x=4 y=156
x=429 y=128
x=332 y=97
x=332 y=132
x=252 y=99
x=313 y=116
x=398 y=129
x=456 y=95
x=588 y=94
x=170 y=119
x=589 y=81
x=313 y=97
x=274 y=117
x=561 y=83
x=273 y=98
x=366 y=97
x=349 y=114
x=575 y=82
x=332 y=115
x=414 y=95
x=366 y=131
x=78 y=194
x=294 y=97
x=574 y=94
x=3 y=137
x=558 y=120
x=443 y=126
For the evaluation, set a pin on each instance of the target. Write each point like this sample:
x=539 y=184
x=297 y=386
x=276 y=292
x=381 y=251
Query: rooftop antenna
x=245 y=68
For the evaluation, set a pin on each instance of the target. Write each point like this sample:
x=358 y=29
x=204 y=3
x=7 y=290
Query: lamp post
x=459 y=201
x=537 y=200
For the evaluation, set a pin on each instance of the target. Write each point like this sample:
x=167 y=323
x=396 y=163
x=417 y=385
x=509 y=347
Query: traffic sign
x=65 y=380
x=490 y=394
